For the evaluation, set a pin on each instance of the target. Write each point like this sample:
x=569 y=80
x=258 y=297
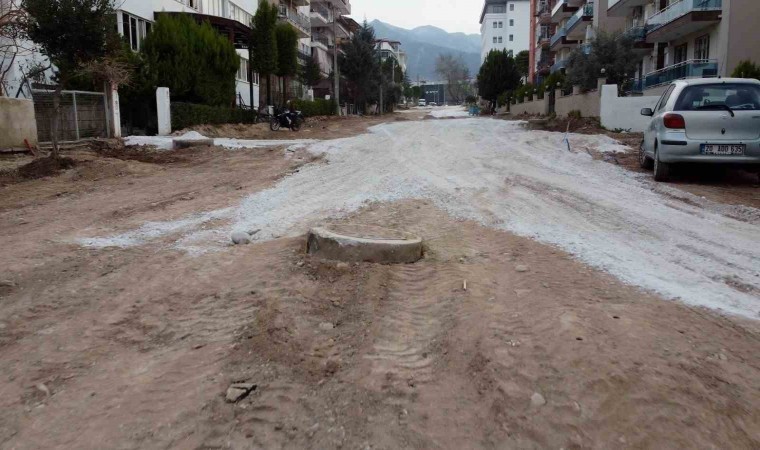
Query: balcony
x=543 y=36
x=321 y=41
x=544 y=13
x=683 y=18
x=300 y=22
x=559 y=65
x=575 y=28
x=562 y=10
x=320 y=15
x=622 y=8
x=559 y=40
x=638 y=34
x=342 y=7
x=693 y=68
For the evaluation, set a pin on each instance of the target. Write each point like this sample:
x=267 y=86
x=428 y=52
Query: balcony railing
x=561 y=33
x=320 y=9
x=321 y=39
x=560 y=4
x=679 y=9
x=586 y=11
x=295 y=18
x=693 y=68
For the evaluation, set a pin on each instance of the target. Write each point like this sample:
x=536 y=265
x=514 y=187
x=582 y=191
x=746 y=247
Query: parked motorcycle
x=287 y=119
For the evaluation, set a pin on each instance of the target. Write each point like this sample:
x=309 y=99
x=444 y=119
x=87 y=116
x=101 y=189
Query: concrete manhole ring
x=364 y=243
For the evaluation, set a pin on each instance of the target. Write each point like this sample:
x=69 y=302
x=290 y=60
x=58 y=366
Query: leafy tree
x=310 y=73
x=360 y=64
x=522 y=60
x=416 y=92
x=498 y=74
x=746 y=69
x=71 y=33
x=454 y=71
x=208 y=61
x=613 y=53
x=287 y=54
x=550 y=82
x=264 y=43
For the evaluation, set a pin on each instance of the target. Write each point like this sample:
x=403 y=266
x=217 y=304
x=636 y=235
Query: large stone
x=241 y=238
x=364 y=243
x=238 y=391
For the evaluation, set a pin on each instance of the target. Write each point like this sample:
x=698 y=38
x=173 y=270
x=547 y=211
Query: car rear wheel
x=661 y=169
x=644 y=161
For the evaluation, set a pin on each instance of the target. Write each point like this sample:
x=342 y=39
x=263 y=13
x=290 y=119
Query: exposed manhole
x=364 y=243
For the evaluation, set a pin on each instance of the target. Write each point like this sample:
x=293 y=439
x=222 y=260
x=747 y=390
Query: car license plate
x=722 y=149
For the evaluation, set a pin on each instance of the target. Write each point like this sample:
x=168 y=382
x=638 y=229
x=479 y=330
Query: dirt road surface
x=601 y=310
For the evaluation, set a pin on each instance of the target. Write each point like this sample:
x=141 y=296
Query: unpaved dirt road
x=124 y=315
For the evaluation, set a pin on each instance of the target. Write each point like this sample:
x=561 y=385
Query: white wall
x=146 y=8
x=624 y=112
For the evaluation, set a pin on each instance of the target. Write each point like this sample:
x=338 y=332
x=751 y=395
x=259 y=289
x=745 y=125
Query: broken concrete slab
x=238 y=391
x=364 y=243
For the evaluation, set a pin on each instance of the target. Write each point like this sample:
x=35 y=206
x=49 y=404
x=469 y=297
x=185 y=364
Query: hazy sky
x=451 y=15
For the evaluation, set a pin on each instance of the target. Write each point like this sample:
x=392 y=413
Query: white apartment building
x=135 y=19
x=392 y=49
x=688 y=38
x=505 y=25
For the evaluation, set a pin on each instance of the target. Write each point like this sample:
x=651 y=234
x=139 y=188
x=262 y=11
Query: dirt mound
x=45 y=167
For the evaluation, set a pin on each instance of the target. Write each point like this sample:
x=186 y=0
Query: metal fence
x=83 y=115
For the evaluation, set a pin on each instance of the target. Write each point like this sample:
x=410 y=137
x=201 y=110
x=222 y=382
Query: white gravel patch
x=165 y=142
x=504 y=176
x=446 y=112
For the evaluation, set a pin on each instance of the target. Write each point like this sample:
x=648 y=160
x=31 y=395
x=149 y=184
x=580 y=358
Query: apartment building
x=688 y=38
x=392 y=49
x=561 y=26
x=135 y=18
x=505 y=25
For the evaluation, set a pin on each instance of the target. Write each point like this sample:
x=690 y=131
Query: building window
x=191 y=3
x=239 y=14
x=511 y=22
x=242 y=74
x=501 y=24
x=498 y=9
x=135 y=29
x=494 y=24
x=680 y=53
x=500 y=41
x=511 y=6
x=702 y=47
x=494 y=39
x=511 y=37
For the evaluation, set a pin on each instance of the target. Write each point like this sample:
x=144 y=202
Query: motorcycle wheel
x=274 y=124
x=296 y=125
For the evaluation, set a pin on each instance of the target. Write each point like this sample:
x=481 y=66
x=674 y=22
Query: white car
x=421 y=102
x=703 y=120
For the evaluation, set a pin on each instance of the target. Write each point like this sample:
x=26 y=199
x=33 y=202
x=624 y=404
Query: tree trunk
x=285 y=89
x=55 y=122
x=269 y=89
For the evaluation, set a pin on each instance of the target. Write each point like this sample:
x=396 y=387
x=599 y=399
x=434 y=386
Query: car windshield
x=737 y=96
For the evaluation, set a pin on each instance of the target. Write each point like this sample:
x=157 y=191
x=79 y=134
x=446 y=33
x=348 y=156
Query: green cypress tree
x=264 y=43
x=287 y=54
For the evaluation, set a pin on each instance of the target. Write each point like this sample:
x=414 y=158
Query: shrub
x=317 y=107
x=502 y=99
x=574 y=114
x=186 y=115
x=746 y=69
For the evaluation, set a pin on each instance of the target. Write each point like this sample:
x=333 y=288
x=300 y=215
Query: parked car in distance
x=422 y=102
x=703 y=120
x=432 y=104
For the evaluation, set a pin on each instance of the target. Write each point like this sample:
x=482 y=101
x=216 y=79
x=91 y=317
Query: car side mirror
x=647 y=112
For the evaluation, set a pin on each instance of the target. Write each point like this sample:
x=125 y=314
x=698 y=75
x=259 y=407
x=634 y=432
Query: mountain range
x=423 y=45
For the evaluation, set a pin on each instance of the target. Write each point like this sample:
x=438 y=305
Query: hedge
x=186 y=115
x=318 y=107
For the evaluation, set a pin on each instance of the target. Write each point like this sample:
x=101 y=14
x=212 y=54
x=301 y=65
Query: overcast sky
x=451 y=15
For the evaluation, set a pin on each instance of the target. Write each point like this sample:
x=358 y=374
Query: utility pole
x=336 y=73
x=381 y=80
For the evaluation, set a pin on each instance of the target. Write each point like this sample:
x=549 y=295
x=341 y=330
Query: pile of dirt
x=38 y=168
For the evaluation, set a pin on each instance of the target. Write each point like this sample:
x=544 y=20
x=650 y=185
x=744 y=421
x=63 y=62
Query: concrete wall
x=587 y=104
x=741 y=19
x=17 y=123
x=624 y=112
x=535 y=107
